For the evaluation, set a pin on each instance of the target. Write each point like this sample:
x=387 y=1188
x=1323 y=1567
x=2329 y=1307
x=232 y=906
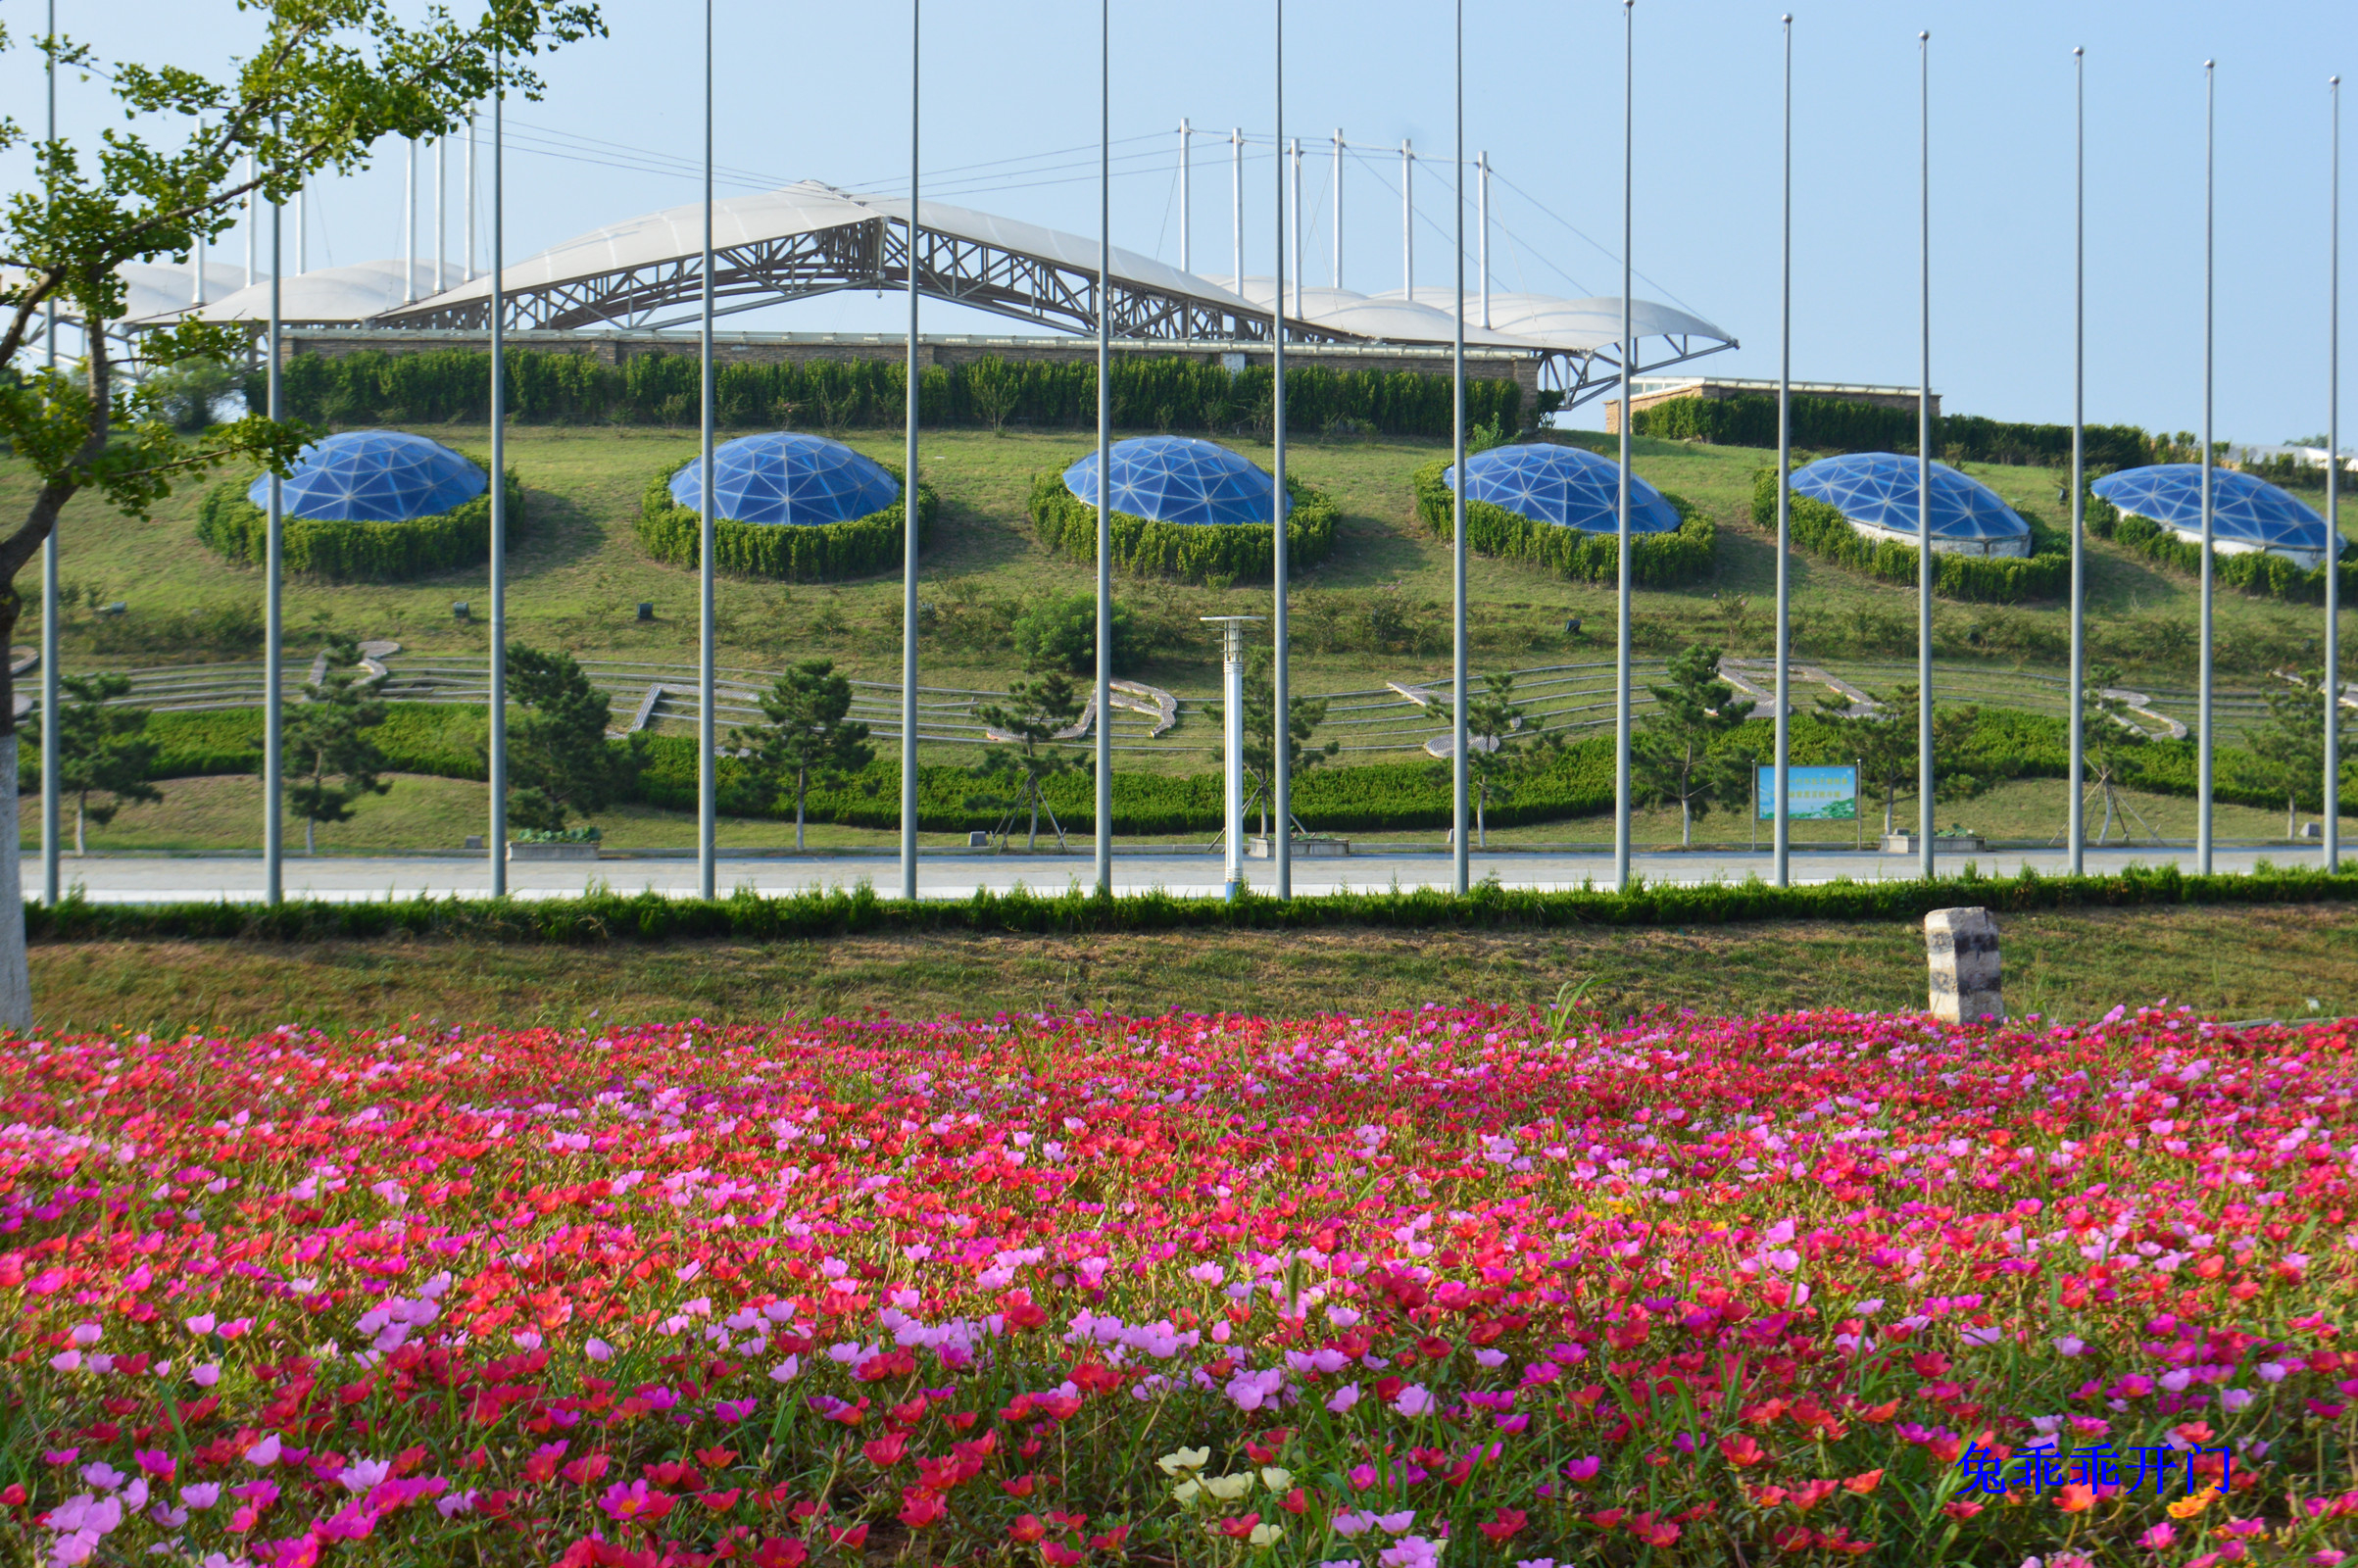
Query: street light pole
x=2333 y=800
x=1187 y=260
x=52 y=763
x=495 y=842
x=1232 y=726
x=273 y=631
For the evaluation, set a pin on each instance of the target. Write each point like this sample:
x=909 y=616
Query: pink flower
x=597 y=1349
x=1343 y=1397
x=264 y=1452
x=1414 y=1401
x=1577 y=1471
x=2160 y=1537
x=201 y=1494
x=206 y=1376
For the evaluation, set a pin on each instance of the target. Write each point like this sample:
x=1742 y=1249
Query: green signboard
x=1812 y=794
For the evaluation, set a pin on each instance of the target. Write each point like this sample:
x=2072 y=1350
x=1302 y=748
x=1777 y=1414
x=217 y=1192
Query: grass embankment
x=2235 y=962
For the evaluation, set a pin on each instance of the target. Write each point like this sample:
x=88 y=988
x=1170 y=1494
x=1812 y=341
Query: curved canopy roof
x=1176 y=478
x=788 y=478
x=334 y=296
x=1576 y=326
x=375 y=476
x=1377 y=317
x=1879 y=489
x=1570 y=487
x=2244 y=508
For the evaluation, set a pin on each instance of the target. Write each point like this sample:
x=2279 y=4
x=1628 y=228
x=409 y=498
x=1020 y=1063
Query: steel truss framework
x=870 y=254
x=1593 y=375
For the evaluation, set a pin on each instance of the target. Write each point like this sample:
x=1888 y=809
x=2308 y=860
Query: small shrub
x=1657 y=560
x=334 y=551
x=1060 y=633
x=1191 y=553
x=788 y=552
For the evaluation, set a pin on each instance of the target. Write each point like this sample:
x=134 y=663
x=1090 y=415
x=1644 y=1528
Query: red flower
x=1501 y=1529
x=1863 y=1483
x=1060 y=1556
x=922 y=1506
x=1742 y=1452
x=780 y=1551
x=885 y=1452
x=1027 y=1529
x=2076 y=1498
x=854 y=1537
x=1238 y=1528
x=720 y=1501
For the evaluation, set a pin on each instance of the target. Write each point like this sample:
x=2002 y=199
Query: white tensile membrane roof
x=803 y=208
x=1383 y=319
x=334 y=296
x=157 y=291
x=1580 y=327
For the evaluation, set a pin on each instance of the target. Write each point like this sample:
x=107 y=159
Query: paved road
x=168 y=879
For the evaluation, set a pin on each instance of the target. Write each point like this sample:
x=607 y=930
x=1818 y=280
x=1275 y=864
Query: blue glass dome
x=1879 y=489
x=787 y=477
x=1571 y=487
x=1175 y=479
x=375 y=476
x=2244 y=508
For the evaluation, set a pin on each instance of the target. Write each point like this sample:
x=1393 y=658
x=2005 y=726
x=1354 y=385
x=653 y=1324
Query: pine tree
x=1260 y=734
x=1028 y=721
x=809 y=735
x=103 y=751
x=326 y=757
x=1502 y=748
x=560 y=758
x=2290 y=743
x=1671 y=757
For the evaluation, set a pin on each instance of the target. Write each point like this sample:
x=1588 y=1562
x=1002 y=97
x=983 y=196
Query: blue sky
x=817 y=91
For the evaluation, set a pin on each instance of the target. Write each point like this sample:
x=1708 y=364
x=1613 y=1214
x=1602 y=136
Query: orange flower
x=2076 y=1498
x=2189 y=1508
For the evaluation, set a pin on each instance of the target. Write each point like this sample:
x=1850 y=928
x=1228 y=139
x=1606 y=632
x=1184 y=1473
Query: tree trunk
x=1889 y=792
x=802 y=787
x=16 y=980
x=2292 y=819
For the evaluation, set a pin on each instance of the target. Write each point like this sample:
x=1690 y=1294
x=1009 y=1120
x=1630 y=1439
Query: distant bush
x=788 y=551
x=335 y=551
x=1189 y=552
x=1839 y=424
x=1657 y=560
x=1826 y=533
x=2255 y=573
x=1060 y=633
x=1158 y=392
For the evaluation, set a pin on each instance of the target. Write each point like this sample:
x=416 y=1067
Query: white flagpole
x=707 y=738
x=1781 y=786
x=1482 y=207
x=1924 y=463
x=1236 y=190
x=2076 y=822
x=468 y=271
x=495 y=842
x=2333 y=800
x=441 y=209
x=1281 y=765
x=2202 y=741
x=1338 y=207
x=52 y=763
x=1187 y=257
x=1408 y=220
x=273 y=631
x=1296 y=144
x=1621 y=655
x=1461 y=864
x=1104 y=450
x=408 y=224
x=909 y=507
x=253 y=230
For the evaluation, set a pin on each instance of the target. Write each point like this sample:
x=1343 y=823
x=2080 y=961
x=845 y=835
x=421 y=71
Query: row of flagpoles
x=1281 y=782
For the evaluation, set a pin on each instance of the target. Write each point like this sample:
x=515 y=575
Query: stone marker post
x=1961 y=946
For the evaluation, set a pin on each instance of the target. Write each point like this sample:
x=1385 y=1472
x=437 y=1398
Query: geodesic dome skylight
x=787 y=479
x=1880 y=490
x=374 y=477
x=2244 y=508
x=1571 y=487
x=1176 y=478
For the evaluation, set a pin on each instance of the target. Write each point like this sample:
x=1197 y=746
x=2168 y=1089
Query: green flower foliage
x=1151 y=392
x=1824 y=532
x=824 y=552
x=1189 y=552
x=334 y=551
x=1657 y=560
x=2256 y=573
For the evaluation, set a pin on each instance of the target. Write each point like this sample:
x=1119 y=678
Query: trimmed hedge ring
x=787 y=551
x=351 y=550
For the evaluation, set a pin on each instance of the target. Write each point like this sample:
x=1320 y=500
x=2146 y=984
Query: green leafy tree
x=1015 y=772
x=559 y=760
x=1260 y=734
x=104 y=753
x=1671 y=757
x=809 y=735
x=2290 y=743
x=326 y=82
x=1060 y=633
x=1881 y=735
x=326 y=757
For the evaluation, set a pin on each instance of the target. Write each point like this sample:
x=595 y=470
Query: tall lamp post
x=1104 y=704
x=1924 y=463
x=707 y=740
x=495 y=843
x=274 y=617
x=1621 y=642
x=52 y=774
x=2076 y=819
x=1460 y=852
x=909 y=507
x=1280 y=757
x=1780 y=789
x=2333 y=800
x=2202 y=742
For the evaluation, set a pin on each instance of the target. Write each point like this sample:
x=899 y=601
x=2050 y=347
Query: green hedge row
x=790 y=553
x=1657 y=560
x=334 y=551
x=2254 y=572
x=1192 y=553
x=603 y=917
x=1838 y=424
x=1165 y=392
x=1824 y=532
x=446 y=742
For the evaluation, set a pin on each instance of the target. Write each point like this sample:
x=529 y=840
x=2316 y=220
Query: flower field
x=1457 y=1285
